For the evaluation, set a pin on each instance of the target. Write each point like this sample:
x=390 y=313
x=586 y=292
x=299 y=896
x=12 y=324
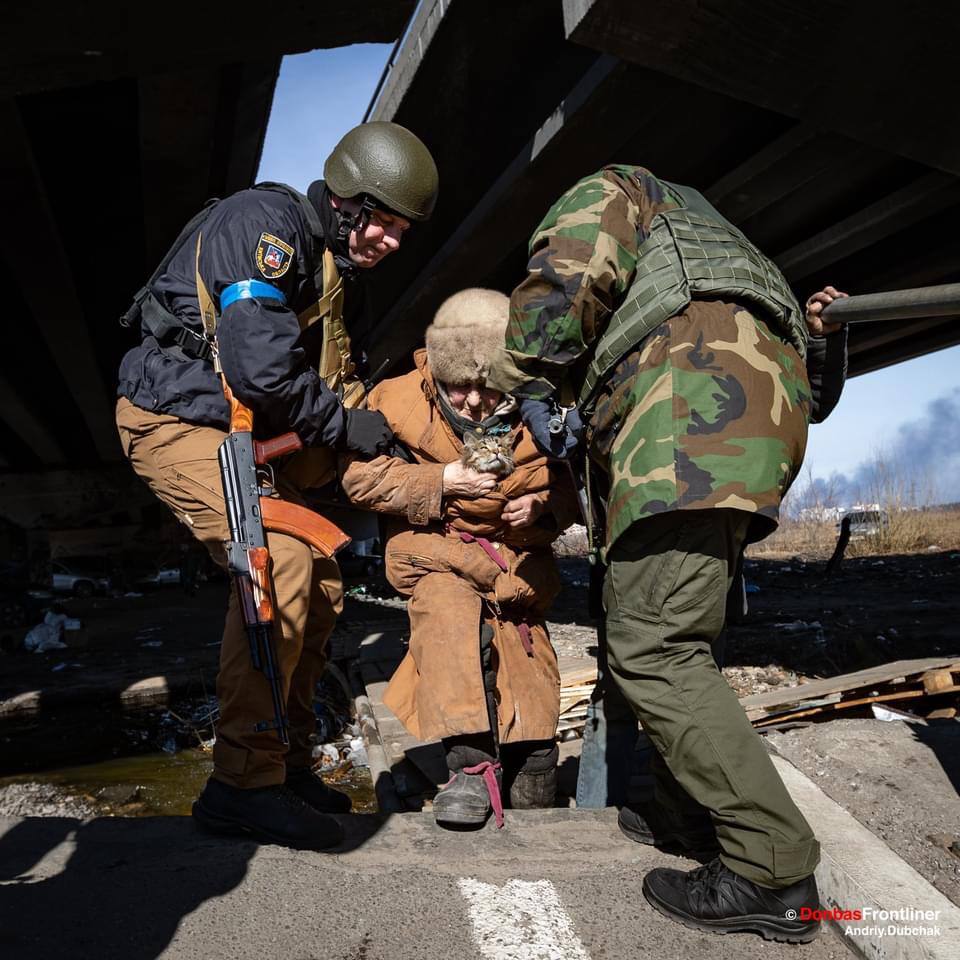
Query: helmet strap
x=348 y=222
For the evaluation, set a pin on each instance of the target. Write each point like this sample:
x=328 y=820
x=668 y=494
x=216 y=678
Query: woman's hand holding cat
x=462 y=481
x=523 y=511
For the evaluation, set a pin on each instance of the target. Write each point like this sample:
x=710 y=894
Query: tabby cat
x=488 y=453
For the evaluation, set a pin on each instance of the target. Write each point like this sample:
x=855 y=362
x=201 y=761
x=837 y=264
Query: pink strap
x=488 y=548
x=489 y=771
x=526 y=637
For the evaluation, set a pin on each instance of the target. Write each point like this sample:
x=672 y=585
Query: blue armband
x=248 y=290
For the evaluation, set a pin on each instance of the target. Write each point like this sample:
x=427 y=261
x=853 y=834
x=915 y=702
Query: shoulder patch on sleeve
x=273 y=256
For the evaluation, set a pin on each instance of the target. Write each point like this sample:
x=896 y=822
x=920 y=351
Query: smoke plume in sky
x=919 y=465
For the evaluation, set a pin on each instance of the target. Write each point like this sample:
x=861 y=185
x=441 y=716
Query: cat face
x=488 y=453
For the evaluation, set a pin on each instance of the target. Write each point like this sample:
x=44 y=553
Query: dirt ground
x=900 y=780
x=802 y=625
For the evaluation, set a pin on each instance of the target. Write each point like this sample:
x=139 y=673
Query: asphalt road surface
x=552 y=885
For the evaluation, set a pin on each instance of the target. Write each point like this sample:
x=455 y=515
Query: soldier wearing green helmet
x=266 y=286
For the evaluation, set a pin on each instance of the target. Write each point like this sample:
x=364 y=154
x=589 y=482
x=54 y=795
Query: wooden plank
x=577 y=671
x=944 y=713
x=817 y=689
x=837 y=706
x=938 y=681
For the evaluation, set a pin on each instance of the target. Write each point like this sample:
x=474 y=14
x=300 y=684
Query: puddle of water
x=163 y=784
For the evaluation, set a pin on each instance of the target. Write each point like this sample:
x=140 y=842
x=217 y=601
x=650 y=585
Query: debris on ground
x=42 y=800
x=924 y=686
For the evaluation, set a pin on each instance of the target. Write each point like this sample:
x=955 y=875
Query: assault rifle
x=253 y=508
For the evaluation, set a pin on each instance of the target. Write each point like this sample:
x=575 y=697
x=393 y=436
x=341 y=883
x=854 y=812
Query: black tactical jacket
x=827 y=372
x=269 y=364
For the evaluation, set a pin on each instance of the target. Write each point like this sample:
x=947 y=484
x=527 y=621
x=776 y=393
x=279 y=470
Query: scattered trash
x=133 y=595
x=915 y=682
x=752 y=588
x=44 y=637
x=329 y=757
x=357 y=591
x=796 y=626
x=881 y=712
x=152 y=643
x=358 y=753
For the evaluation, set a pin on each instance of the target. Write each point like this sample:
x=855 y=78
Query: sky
x=911 y=409
x=319 y=97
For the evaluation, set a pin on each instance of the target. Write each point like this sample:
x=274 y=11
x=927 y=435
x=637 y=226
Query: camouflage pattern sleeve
x=582 y=260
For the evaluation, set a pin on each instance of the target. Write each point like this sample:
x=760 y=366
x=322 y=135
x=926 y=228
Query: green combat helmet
x=384 y=162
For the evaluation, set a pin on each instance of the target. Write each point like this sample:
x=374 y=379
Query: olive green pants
x=664 y=596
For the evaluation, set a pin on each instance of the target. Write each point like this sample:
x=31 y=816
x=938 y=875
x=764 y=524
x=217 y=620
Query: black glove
x=366 y=432
x=537 y=414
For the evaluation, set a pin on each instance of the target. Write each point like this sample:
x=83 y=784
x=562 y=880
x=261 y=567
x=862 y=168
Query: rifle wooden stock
x=281 y=516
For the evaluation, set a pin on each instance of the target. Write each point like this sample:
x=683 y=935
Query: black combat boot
x=531 y=773
x=690 y=837
x=715 y=899
x=308 y=786
x=272 y=814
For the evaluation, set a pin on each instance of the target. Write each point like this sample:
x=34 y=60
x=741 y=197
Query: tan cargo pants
x=178 y=461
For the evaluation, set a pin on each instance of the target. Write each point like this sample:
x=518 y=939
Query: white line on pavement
x=522 y=920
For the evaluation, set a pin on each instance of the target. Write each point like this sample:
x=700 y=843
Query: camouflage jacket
x=710 y=410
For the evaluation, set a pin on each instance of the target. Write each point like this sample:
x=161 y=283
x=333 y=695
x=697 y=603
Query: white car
x=79 y=578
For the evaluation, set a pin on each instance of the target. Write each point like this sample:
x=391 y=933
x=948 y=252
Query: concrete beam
x=175 y=157
x=215 y=154
x=863 y=71
x=31 y=430
x=419 y=36
x=42 y=267
x=924 y=197
x=56 y=499
x=884 y=348
x=586 y=131
x=785 y=165
x=91 y=43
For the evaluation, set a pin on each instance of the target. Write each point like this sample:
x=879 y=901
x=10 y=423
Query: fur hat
x=465 y=334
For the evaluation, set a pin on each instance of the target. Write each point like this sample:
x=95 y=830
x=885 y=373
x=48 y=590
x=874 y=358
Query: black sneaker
x=692 y=838
x=309 y=787
x=271 y=814
x=715 y=899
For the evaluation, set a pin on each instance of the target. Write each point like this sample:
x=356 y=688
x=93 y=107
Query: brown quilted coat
x=454 y=586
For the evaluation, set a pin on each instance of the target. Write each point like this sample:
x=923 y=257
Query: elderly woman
x=473 y=508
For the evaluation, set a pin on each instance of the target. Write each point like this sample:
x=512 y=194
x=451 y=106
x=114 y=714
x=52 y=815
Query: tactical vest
x=693 y=253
